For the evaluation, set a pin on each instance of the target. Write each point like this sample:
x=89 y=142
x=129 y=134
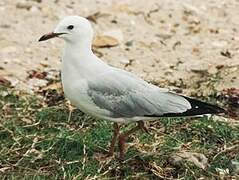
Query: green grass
x=40 y=142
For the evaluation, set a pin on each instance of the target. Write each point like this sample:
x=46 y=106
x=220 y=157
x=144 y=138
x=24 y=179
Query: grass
x=41 y=142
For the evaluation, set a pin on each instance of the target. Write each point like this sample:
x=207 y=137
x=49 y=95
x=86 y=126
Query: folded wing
x=126 y=96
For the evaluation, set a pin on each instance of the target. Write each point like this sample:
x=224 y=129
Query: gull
x=113 y=94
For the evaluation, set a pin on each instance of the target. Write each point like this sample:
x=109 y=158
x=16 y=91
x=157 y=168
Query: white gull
x=106 y=92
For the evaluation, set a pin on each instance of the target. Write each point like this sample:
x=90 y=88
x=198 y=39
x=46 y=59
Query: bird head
x=72 y=29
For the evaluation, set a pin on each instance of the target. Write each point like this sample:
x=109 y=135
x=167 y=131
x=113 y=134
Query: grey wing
x=126 y=96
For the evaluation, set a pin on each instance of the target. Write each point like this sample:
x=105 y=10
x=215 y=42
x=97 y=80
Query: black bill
x=49 y=36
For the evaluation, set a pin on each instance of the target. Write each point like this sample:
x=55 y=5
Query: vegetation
x=44 y=142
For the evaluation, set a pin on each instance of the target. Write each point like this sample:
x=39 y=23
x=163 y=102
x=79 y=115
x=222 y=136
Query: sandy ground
x=190 y=44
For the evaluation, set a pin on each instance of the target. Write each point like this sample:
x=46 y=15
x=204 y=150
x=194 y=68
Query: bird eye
x=70 y=27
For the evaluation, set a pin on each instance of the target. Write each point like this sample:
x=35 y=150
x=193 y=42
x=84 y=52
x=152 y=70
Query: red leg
x=122 y=140
x=123 y=137
x=142 y=127
x=113 y=141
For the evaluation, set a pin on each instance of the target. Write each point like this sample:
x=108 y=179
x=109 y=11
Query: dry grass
x=39 y=142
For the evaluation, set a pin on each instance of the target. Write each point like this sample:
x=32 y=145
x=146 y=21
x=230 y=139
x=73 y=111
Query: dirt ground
x=192 y=45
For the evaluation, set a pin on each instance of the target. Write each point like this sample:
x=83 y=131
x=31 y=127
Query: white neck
x=80 y=62
x=82 y=45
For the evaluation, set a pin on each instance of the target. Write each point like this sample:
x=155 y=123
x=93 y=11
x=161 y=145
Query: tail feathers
x=198 y=108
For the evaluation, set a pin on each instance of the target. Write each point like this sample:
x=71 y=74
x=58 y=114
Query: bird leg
x=123 y=137
x=113 y=141
x=143 y=127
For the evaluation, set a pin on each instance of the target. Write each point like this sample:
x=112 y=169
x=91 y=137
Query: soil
x=189 y=46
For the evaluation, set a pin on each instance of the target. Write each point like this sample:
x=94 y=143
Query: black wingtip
x=198 y=108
